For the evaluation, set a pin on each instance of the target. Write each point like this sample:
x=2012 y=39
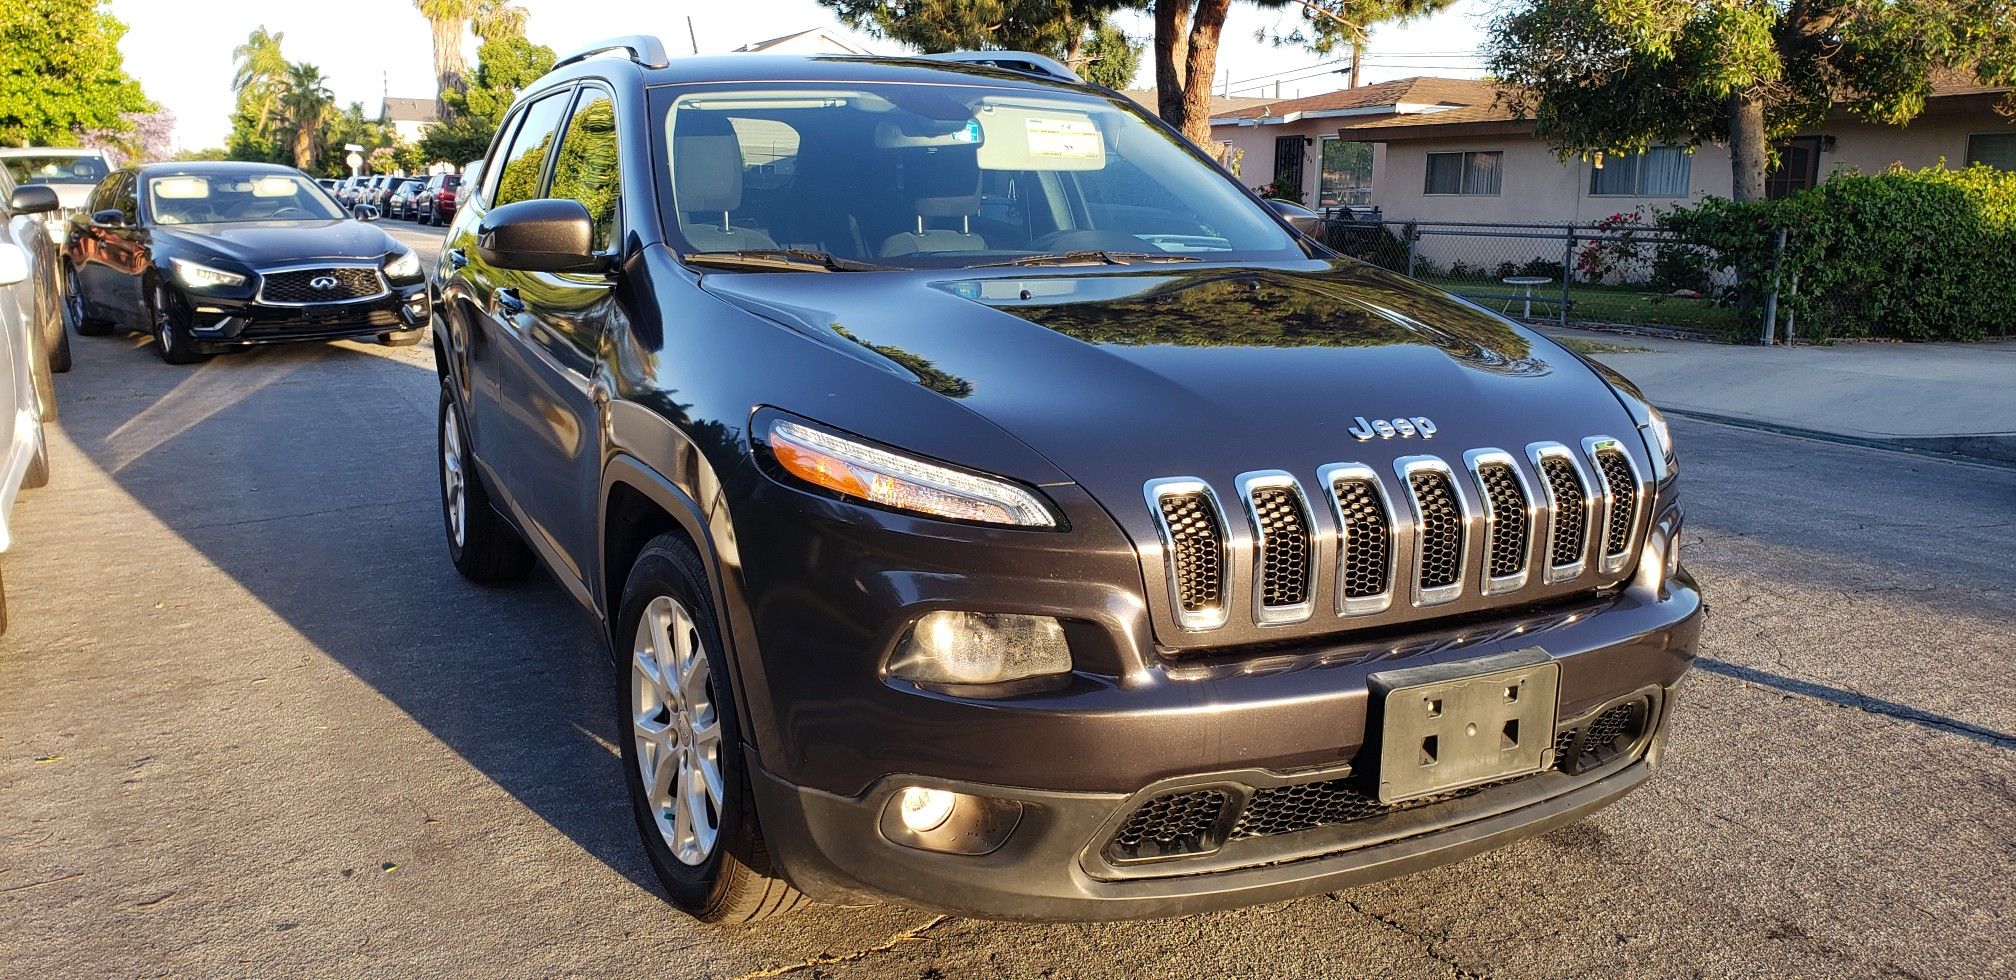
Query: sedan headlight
x=903 y=482
x=196 y=275
x=405 y=265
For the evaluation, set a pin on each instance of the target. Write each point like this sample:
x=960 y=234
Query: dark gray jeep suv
x=993 y=507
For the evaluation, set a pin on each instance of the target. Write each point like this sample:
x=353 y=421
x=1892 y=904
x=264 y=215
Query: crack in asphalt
x=910 y=935
x=1428 y=945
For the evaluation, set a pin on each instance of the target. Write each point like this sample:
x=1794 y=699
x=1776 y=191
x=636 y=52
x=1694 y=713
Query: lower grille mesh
x=1367 y=555
x=1441 y=529
x=1623 y=501
x=1199 y=545
x=1508 y=519
x=1175 y=823
x=1284 y=547
x=1569 y=503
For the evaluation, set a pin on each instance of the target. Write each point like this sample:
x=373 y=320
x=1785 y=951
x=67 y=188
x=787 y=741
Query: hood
x=73 y=196
x=1120 y=377
x=263 y=243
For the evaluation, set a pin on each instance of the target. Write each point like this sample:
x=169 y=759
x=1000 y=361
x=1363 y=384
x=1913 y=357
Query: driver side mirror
x=1304 y=220
x=33 y=199
x=365 y=212
x=109 y=218
x=545 y=235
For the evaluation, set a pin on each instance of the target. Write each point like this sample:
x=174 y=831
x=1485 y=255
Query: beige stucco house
x=1446 y=150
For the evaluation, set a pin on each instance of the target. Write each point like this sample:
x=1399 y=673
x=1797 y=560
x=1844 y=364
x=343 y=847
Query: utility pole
x=1357 y=58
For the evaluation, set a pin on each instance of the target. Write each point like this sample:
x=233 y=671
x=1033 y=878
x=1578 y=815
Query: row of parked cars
x=427 y=200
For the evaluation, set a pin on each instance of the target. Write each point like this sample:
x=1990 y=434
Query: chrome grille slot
x=1567 y=509
x=1508 y=518
x=1365 y=538
x=1438 y=529
x=1284 y=566
x=1619 y=482
x=1193 y=540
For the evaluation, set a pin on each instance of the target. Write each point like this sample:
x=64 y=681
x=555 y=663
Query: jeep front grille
x=1194 y=537
x=1501 y=525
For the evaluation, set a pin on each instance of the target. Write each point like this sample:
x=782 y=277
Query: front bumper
x=219 y=324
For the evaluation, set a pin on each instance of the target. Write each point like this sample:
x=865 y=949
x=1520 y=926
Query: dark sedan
x=209 y=257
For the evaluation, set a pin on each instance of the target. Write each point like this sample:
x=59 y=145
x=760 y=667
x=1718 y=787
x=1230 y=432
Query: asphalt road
x=252 y=723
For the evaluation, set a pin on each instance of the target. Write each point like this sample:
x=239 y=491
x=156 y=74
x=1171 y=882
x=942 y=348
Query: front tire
x=482 y=545
x=171 y=328
x=682 y=751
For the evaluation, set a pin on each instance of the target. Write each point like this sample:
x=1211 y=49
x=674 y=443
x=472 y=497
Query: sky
x=180 y=50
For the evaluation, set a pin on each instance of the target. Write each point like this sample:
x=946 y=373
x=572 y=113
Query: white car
x=72 y=171
x=26 y=463
x=23 y=212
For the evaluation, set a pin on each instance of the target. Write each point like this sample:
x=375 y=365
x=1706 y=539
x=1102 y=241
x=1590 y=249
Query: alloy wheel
x=164 y=327
x=72 y=299
x=676 y=729
x=453 y=480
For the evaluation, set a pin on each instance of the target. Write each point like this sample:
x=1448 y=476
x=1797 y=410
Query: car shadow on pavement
x=307 y=474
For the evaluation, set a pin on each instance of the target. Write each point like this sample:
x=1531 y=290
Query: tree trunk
x=448 y=65
x=1201 y=68
x=1748 y=151
x=1172 y=50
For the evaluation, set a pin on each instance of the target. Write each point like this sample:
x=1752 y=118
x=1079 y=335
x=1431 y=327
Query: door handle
x=508 y=302
x=457 y=259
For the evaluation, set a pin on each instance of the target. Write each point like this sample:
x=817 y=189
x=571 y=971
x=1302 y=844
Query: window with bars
x=1470 y=172
x=1662 y=171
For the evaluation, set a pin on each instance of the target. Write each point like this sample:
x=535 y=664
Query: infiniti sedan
x=210 y=257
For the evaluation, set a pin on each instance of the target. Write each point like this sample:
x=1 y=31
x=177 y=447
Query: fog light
x=924 y=809
x=980 y=648
x=948 y=822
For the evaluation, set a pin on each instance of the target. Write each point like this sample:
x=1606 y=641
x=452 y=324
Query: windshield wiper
x=800 y=259
x=1103 y=256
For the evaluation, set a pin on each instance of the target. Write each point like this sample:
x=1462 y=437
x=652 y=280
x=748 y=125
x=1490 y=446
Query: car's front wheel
x=682 y=756
x=171 y=327
x=482 y=545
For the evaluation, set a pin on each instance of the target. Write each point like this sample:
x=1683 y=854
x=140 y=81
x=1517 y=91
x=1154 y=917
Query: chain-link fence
x=1607 y=273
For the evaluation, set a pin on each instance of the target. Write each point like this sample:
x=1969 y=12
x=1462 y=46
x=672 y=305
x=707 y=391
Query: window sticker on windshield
x=1069 y=139
x=181 y=188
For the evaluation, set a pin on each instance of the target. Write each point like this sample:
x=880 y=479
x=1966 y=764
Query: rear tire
x=81 y=320
x=44 y=382
x=676 y=711
x=483 y=546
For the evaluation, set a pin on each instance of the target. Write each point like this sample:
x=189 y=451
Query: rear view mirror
x=365 y=212
x=109 y=218
x=543 y=235
x=33 y=199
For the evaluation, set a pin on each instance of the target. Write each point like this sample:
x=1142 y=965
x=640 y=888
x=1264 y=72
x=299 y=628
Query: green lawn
x=1604 y=304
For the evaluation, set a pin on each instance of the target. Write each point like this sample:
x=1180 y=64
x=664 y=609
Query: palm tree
x=496 y=20
x=447 y=18
x=260 y=72
x=304 y=108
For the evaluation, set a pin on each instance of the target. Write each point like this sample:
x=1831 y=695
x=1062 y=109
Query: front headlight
x=948 y=647
x=1662 y=437
x=405 y=265
x=905 y=483
x=196 y=275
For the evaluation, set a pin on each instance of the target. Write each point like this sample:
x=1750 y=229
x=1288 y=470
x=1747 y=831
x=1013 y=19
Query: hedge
x=1912 y=254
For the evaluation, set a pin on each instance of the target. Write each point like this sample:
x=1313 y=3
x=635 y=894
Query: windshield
x=946 y=176
x=188 y=199
x=55 y=169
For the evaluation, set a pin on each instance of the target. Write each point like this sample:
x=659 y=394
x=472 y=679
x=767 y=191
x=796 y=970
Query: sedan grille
x=336 y=285
x=1535 y=523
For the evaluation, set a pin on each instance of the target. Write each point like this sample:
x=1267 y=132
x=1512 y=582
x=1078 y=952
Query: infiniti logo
x=1381 y=428
x=324 y=283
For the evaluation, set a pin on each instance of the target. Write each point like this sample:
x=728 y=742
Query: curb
x=1998 y=450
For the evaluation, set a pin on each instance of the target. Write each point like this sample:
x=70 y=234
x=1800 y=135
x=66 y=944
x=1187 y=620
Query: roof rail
x=1025 y=62
x=643 y=49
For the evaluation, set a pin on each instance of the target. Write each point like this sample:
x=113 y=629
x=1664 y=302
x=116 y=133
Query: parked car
x=472 y=175
x=379 y=192
x=400 y=203
x=26 y=460
x=72 y=171
x=327 y=184
x=212 y=257
x=24 y=210
x=346 y=190
x=437 y=199
x=1125 y=554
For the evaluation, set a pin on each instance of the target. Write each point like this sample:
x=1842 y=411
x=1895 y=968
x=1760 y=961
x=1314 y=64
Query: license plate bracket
x=1445 y=727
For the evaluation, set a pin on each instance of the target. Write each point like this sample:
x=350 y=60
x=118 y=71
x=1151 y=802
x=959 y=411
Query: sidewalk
x=1958 y=398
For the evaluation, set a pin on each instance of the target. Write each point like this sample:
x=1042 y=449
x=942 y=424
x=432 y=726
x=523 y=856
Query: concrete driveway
x=252 y=723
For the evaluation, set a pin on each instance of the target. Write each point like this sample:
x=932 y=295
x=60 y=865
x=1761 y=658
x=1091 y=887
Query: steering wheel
x=282 y=212
x=1086 y=240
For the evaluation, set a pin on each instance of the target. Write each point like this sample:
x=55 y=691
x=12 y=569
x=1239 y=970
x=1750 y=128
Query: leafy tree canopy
x=1617 y=75
x=61 y=73
x=1074 y=31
